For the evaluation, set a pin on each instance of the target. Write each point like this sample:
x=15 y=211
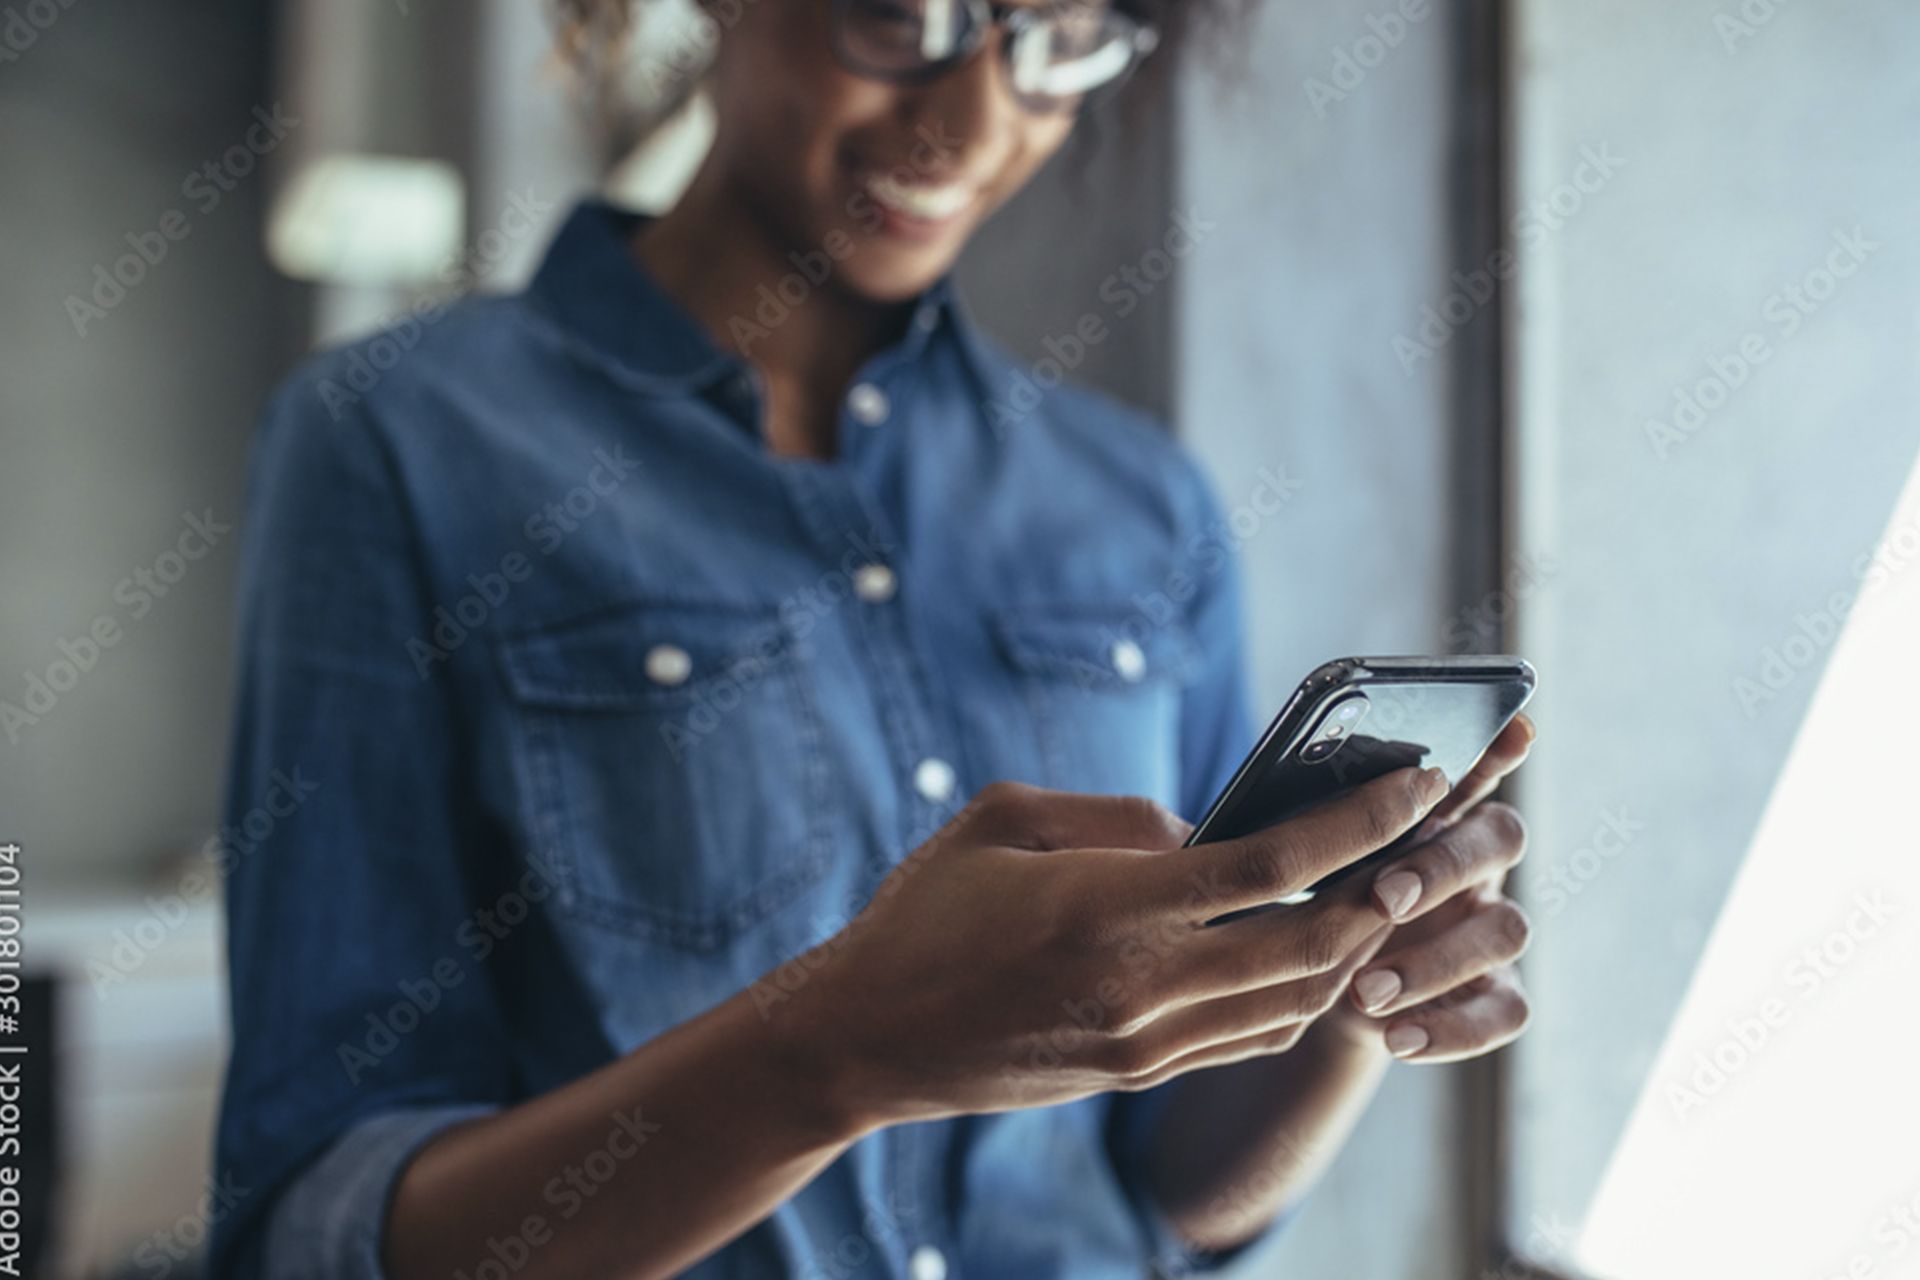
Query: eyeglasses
x=1056 y=52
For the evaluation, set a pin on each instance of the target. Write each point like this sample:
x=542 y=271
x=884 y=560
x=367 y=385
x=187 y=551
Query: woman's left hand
x=1443 y=986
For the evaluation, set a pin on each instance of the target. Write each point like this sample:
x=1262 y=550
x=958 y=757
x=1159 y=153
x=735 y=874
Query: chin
x=880 y=272
x=891 y=286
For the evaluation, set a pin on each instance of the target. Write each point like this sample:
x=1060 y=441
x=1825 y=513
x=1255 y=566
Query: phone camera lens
x=1336 y=729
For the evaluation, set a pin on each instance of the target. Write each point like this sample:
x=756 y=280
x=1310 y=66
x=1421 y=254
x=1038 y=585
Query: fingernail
x=1406 y=1039
x=1397 y=891
x=1433 y=785
x=1376 y=987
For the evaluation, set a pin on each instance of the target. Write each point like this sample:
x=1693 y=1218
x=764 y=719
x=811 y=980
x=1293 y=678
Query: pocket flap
x=642 y=654
x=1098 y=646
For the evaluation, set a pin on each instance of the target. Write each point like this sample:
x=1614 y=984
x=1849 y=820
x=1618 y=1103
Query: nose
x=968 y=110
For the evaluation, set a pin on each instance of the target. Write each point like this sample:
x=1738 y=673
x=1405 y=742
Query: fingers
x=1468 y=1021
x=1508 y=752
x=1213 y=879
x=1492 y=936
x=1480 y=848
x=1281 y=944
x=1489 y=1013
x=1262 y=1045
x=1015 y=814
x=1256 y=1024
x=1217 y=1019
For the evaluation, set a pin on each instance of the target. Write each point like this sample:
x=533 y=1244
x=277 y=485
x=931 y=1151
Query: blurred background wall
x=1346 y=190
x=124 y=414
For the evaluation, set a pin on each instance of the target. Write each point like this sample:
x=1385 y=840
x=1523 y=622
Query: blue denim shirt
x=603 y=711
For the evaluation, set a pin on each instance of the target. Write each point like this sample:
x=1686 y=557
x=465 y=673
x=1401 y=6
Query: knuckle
x=1259 y=865
x=1005 y=799
x=1002 y=792
x=1323 y=943
x=1130 y=1056
x=1381 y=819
x=1388 y=807
x=1408 y=800
x=1514 y=928
x=1515 y=1010
x=1156 y=824
x=1450 y=856
x=1082 y=944
x=1508 y=828
x=1070 y=921
x=1143 y=1080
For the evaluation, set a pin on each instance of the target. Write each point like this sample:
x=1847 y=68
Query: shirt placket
x=840 y=518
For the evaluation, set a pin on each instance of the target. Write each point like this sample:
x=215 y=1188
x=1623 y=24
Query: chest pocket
x=669 y=765
x=1103 y=684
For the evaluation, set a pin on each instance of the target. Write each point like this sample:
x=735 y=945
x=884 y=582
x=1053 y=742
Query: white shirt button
x=1129 y=663
x=668 y=664
x=927 y=1263
x=874 y=583
x=926 y=318
x=868 y=404
x=933 y=779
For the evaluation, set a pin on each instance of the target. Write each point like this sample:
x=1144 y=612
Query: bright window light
x=1778 y=1135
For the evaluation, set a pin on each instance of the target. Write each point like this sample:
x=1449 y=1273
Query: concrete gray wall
x=1673 y=561
x=1332 y=235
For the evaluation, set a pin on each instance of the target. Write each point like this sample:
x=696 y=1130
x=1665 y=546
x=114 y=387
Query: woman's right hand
x=1044 y=946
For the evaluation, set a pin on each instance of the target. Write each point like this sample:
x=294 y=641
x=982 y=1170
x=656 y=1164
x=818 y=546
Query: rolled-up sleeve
x=361 y=1027
x=1216 y=730
x=329 y=1221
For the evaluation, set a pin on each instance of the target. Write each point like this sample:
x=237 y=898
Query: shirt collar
x=601 y=297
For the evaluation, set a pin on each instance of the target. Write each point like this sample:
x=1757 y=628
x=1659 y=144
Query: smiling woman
x=883 y=153
x=774 y=721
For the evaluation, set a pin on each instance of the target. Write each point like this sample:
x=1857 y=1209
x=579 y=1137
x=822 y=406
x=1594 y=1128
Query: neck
x=714 y=257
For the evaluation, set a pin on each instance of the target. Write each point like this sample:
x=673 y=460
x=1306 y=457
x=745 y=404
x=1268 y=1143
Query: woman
x=741 y=755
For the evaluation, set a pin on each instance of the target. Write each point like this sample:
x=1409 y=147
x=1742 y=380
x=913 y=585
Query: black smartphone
x=1356 y=719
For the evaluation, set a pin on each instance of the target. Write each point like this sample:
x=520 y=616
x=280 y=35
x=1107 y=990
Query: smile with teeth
x=927 y=202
